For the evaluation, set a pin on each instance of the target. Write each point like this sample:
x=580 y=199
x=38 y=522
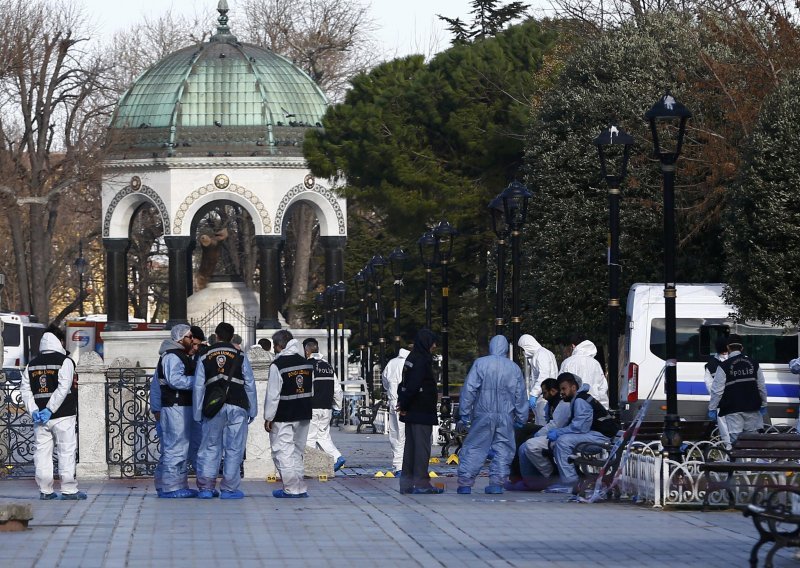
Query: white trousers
x=740 y=422
x=532 y=449
x=319 y=433
x=397 y=437
x=288 y=441
x=61 y=433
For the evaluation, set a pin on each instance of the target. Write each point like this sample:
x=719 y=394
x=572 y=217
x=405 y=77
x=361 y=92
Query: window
x=11 y=334
x=687 y=340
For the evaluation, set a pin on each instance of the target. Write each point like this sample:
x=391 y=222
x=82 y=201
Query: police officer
x=327 y=401
x=224 y=371
x=175 y=377
x=739 y=392
x=287 y=412
x=49 y=390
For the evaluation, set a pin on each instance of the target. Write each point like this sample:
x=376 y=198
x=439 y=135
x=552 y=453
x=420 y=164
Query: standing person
x=589 y=421
x=199 y=348
x=223 y=371
x=416 y=406
x=327 y=401
x=739 y=392
x=493 y=403
x=540 y=364
x=174 y=380
x=287 y=412
x=49 y=389
x=585 y=367
x=391 y=377
x=266 y=345
x=721 y=345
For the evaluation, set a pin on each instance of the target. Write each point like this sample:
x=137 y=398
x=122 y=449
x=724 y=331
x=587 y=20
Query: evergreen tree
x=488 y=20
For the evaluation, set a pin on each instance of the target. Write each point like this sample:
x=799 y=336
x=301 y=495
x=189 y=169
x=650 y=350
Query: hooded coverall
x=391 y=377
x=540 y=365
x=585 y=367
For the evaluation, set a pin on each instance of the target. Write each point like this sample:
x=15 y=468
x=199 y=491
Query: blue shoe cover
x=179 y=494
x=231 y=494
x=464 y=490
x=79 y=496
x=205 y=494
x=339 y=463
x=281 y=494
x=48 y=496
x=493 y=490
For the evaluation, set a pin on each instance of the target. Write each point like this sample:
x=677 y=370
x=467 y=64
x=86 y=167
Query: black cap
x=721 y=344
x=197 y=333
x=735 y=339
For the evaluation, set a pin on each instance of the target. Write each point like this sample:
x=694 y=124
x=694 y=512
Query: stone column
x=259 y=464
x=269 y=262
x=334 y=259
x=117 y=283
x=92 y=463
x=177 y=248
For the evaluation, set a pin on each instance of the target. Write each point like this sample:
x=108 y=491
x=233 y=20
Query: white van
x=21 y=339
x=701 y=317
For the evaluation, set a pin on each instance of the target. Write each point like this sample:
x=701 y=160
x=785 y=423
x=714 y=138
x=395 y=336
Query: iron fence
x=243 y=324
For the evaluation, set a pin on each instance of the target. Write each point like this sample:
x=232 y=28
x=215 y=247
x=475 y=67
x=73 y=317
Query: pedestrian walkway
x=355 y=520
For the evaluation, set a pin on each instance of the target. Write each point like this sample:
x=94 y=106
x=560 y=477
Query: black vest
x=218 y=363
x=712 y=365
x=296 y=388
x=324 y=379
x=741 y=386
x=43 y=374
x=602 y=421
x=169 y=395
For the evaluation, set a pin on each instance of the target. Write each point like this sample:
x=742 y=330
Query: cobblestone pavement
x=358 y=520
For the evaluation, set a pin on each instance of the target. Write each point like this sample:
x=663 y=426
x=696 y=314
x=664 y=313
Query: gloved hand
x=462 y=426
x=552 y=435
x=712 y=414
x=337 y=413
x=44 y=415
x=763 y=411
x=532 y=402
x=35 y=415
x=518 y=425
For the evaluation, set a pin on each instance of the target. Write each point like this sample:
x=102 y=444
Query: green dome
x=221 y=97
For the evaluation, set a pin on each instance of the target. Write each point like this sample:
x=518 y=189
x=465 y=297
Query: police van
x=21 y=337
x=701 y=317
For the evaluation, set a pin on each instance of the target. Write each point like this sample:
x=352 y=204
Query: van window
x=768 y=344
x=687 y=339
x=11 y=334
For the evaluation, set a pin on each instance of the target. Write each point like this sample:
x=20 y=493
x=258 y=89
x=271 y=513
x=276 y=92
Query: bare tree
x=53 y=105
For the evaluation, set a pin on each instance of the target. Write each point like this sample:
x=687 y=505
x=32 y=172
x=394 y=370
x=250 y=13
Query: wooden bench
x=775 y=511
x=767 y=454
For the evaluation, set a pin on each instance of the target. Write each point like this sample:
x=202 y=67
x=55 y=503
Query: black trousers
x=416 y=456
x=520 y=437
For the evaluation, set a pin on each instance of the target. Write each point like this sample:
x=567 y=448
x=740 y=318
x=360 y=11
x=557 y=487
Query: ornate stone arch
x=296 y=194
x=145 y=191
x=256 y=203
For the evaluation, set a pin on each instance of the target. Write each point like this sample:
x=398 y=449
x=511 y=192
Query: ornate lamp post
x=427 y=250
x=515 y=206
x=613 y=136
x=378 y=273
x=360 y=287
x=667 y=121
x=500 y=230
x=80 y=266
x=445 y=234
x=397 y=263
x=341 y=290
x=367 y=270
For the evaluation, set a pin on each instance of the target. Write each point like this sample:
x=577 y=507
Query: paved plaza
x=358 y=520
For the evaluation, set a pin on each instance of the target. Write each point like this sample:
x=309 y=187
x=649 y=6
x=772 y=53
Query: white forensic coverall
x=540 y=364
x=58 y=431
x=391 y=377
x=585 y=367
x=287 y=439
x=319 y=430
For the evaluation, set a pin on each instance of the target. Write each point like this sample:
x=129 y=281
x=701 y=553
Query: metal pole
x=613 y=297
x=361 y=344
x=396 y=315
x=672 y=439
x=328 y=317
x=516 y=319
x=499 y=323
x=428 y=285
x=370 y=382
x=342 y=356
x=80 y=277
x=381 y=338
x=445 y=405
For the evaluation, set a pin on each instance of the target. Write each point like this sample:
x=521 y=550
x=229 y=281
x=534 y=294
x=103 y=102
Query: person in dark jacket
x=416 y=405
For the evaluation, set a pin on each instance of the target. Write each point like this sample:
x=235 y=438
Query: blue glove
x=337 y=413
x=552 y=435
x=763 y=411
x=712 y=414
x=518 y=425
x=532 y=402
x=44 y=415
x=35 y=415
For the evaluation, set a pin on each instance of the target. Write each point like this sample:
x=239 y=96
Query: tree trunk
x=13 y=214
x=304 y=220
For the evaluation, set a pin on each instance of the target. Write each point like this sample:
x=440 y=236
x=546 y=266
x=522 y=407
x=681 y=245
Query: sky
x=402 y=26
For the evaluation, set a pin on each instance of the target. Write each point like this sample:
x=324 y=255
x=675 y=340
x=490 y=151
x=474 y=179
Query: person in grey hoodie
x=540 y=364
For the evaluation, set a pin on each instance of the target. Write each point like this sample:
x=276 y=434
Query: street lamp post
x=368 y=285
x=499 y=228
x=360 y=288
x=667 y=120
x=341 y=290
x=378 y=272
x=397 y=263
x=445 y=234
x=515 y=206
x=80 y=266
x=613 y=136
x=427 y=250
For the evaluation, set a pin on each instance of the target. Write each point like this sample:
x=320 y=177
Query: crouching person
x=225 y=402
x=589 y=421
